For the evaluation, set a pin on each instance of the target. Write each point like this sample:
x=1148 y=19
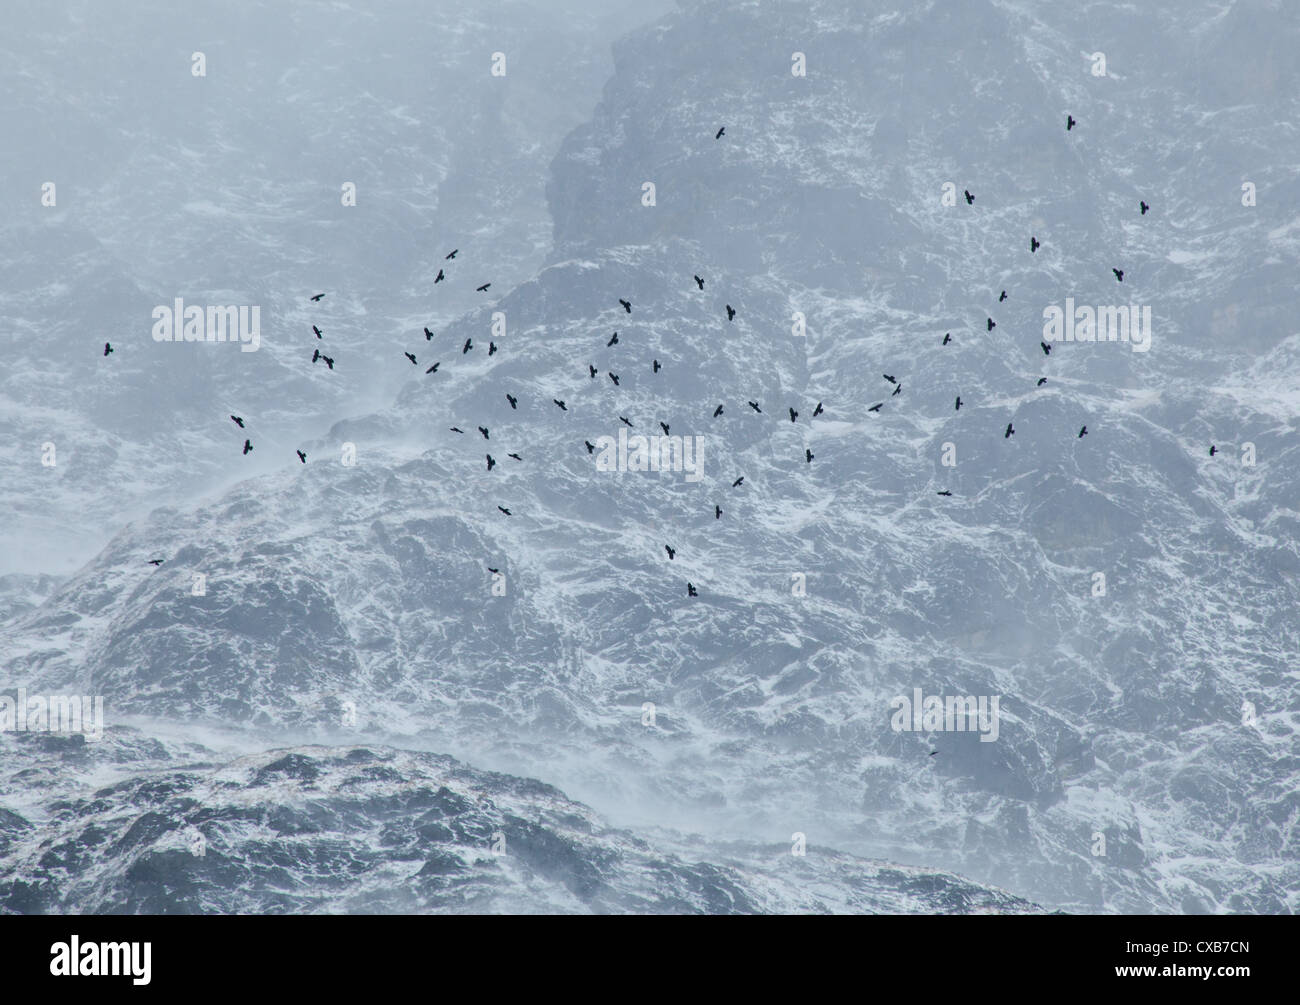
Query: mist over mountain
x=354 y=681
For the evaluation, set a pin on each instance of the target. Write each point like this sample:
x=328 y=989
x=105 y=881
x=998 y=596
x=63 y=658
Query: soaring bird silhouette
x=1143 y=206
x=329 y=361
x=737 y=482
x=699 y=282
x=1042 y=381
x=717 y=411
x=672 y=553
x=469 y=344
x=1069 y=123
x=1213 y=450
x=808 y=455
x=505 y=511
x=515 y=456
x=428 y=335
x=155 y=561
x=613 y=340
x=1119 y=274
x=455 y=429
x=945 y=492
x=969 y=198
x=875 y=407
x=718 y=134
x=439 y=277
x=614 y=377
x=957 y=407
x=593 y=370
x=1047 y=349
x=562 y=406
x=947 y=337
x=1034 y=244
x=991 y=325
x=754 y=406
x=657 y=366
x=897 y=391
x=411 y=357
x=434 y=368
x=1010 y=432
x=626 y=421
x=483 y=288
x=317 y=331
x=484 y=431
x=731 y=312
x=492 y=347
x=237 y=421
x=627 y=305
x=247 y=446
x=889 y=378
x=451 y=255
x=318 y=296
x=514 y=402
x=717 y=512
x=107 y=348
x=315 y=356
x=1083 y=432
x=490 y=462
x=664 y=427
x=818 y=410
x=691 y=591
x=301 y=456
x=591 y=447
x=793 y=415
x=1003 y=297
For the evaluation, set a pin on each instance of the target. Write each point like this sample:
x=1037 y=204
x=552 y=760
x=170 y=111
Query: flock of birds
x=593 y=373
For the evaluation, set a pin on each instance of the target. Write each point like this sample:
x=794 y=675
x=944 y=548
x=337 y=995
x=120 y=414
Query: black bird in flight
x=808 y=455
x=505 y=511
x=1069 y=123
x=428 y=335
x=329 y=361
x=945 y=492
x=897 y=391
x=627 y=421
x=515 y=456
x=664 y=427
x=593 y=370
x=492 y=347
x=452 y=255
x=612 y=341
x=992 y=324
x=947 y=337
x=490 y=462
x=315 y=356
x=957 y=407
x=1213 y=450
x=514 y=402
x=411 y=357
x=889 y=378
x=1083 y=432
x=969 y=198
x=718 y=134
x=1010 y=432
x=490 y=569
x=818 y=410
x=318 y=296
x=301 y=456
x=1003 y=297
x=591 y=447
x=237 y=421
x=736 y=483
x=1119 y=274
x=155 y=561
x=317 y=331
x=484 y=431
x=793 y=415
x=875 y=407
x=691 y=591
x=657 y=366
x=439 y=277
x=717 y=512
x=933 y=753
x=107 y=348
x=1042 y=381
x=434 y=368
x=1144 y=207
x=247 y=446
x=454 y=429
x=627 y=306
x=699 y=282
x=1047 y=349
x=1034 y=244
x=731 y=312
x=483 y=288
x=614 y=377
x=717 y=411
x=754 y=406
x=469 y=344
x=671 y=552
x=563 y=406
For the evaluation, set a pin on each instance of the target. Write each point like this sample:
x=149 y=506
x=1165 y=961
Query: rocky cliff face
x=353 y=604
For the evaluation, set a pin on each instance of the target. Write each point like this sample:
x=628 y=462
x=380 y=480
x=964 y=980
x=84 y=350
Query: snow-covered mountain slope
x=169 y=827
x=334 y=589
